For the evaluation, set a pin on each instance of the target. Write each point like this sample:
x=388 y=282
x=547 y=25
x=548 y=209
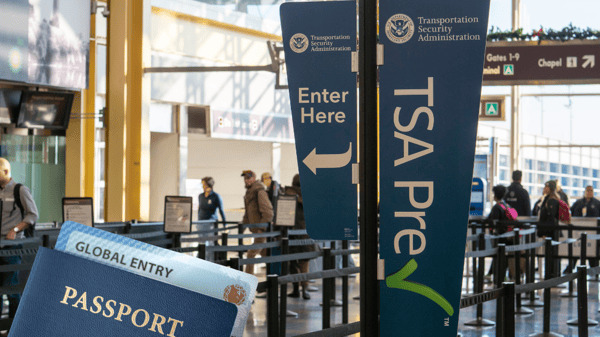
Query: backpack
x=564 y=212
x=510 y=213
x=29 y=231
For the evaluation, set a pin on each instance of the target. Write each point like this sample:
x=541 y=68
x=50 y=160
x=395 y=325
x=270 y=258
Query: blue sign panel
x=318 y=39
x=477 y=197
x=430 y=87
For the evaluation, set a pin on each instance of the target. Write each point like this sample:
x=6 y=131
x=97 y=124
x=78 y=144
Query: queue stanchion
x=547 y=275
x=235 y=263
x=345 y=288
x=127 y=228
x=224 y=239
x=270 y=239
x=570 y=292
x=500 y=272
x=583 y=297
x=46 y=240
x=283 y=312
x=509 y=308
x=272 y=306
x=582 y=305
x=480 y=321
x=176 y=240
x=582 y=321
x=474 y=271
x=334 y=301
x=595 y=277
x=240 y=240
x=202 y=251
x=326 y=289
x=533 y=301
x=519 y=310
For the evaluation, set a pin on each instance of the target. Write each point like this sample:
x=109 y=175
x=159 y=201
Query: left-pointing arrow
x=314 y=161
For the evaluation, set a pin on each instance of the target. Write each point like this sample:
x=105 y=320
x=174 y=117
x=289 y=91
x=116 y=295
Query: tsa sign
x=318 y=39
x=430 y=87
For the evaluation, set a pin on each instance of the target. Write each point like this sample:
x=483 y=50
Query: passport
x=162 y=265
x=68 y=296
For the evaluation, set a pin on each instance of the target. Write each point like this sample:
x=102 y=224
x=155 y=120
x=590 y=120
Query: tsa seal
x=399 y=28
x=235 y=294
x=299 y=43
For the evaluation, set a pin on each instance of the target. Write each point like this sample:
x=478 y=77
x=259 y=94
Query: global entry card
x=163 y=265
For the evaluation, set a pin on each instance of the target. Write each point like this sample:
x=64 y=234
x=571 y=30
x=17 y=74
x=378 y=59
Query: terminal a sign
x=518 y=63
x=318 y=39
x=492 y=108
x=430 y=87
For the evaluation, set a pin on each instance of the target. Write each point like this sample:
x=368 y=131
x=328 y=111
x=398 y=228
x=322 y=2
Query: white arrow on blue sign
x=318 y=39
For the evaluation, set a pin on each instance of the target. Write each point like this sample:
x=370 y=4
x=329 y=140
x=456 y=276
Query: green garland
x=566 y=34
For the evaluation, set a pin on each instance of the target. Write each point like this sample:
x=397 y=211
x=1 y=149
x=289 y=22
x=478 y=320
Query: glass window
x=541 y=179
x=503 y=161
x=595 y=184
x=586 y=183
x=595 y=173
x=565 y=169
x=576 y=182
x=554 y=167
x=540 y=191
x=541 y=165
x=528 y=178
x=585 y=172
x=504 y=175
x=530 y=189
x=576 y=170
x=553 y=177
x=564 y=181
x=529 y=164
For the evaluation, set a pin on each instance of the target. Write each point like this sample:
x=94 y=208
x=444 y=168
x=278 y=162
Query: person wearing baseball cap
x=258 y=209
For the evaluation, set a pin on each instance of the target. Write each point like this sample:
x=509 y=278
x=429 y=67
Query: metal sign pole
x=369 y=294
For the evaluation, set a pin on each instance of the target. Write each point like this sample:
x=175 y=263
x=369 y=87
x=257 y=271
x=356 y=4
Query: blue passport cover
x=70 y=296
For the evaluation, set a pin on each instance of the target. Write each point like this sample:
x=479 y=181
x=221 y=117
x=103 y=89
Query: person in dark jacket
x=299 y=266
x=588 y=206
x=273 y=188
x=258 y=209
x=517 y=197
x=497 y=213
x=549 y=215
x=209 y=201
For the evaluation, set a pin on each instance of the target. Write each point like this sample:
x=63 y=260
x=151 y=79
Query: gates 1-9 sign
x=492 y=108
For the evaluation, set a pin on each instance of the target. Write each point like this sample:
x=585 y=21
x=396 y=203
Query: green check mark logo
x=398 y=281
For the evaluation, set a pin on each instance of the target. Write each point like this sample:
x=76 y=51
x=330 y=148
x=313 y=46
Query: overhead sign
x=248 y=125
x=430 y=87
x=492 y=108
x=516 y=63
x=318 y=39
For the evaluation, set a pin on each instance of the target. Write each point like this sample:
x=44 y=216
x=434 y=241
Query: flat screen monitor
x=9 y=105
x=45 y=110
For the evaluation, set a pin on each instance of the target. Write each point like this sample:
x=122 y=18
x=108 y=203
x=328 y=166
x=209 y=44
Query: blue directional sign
x=478 y=189
x=318 y=39
x=430 y=86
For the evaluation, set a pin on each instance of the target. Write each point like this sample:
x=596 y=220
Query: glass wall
x=38 y=162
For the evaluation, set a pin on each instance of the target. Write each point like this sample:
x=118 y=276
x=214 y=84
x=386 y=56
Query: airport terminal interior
x=122 y=104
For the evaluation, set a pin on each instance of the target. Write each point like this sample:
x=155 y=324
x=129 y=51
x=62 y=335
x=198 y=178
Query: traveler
x=258 y=209
x=209 y=201
x=588 y=206
x=517 y=197
x=299 y=266
x=18 y=214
